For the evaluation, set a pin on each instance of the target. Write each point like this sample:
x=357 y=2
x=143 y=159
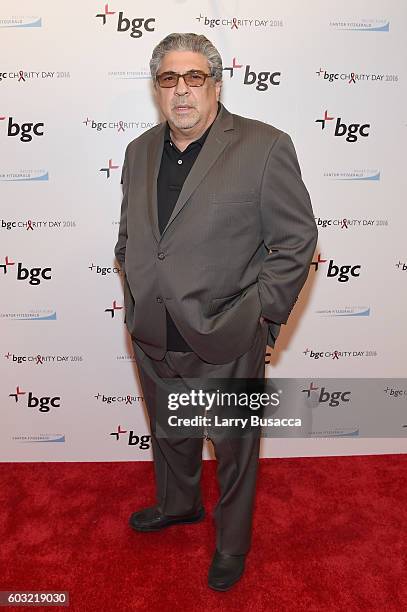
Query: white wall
x=78 y=71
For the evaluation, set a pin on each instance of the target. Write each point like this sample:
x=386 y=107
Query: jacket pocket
x=221 y=304
x=234 y=197
x=128 y=303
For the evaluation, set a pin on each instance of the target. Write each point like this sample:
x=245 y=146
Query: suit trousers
x=178 y=461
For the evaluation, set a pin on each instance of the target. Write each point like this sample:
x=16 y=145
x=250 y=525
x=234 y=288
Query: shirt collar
x=200 y=140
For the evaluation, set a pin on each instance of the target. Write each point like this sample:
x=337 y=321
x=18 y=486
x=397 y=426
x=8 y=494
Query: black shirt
x=174 y=169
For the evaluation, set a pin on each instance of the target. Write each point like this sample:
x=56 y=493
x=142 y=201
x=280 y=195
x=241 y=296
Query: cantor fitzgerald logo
x=20 y=22
x=234 y=23
x=351 y=131
x=366 y=174
x=324 y=396
x=336 y=432
x=346 y=224
x=34 y=276
x=262 y=80
x=345 y=311
x=141 y=74
x=44 y=314
x=361 y=25
x=353 y=78
x=24 y=175
x=124 y=358
x=42 y=437
x=342 y=273
x=135 y=27
x=131 y=439
x=29 y=400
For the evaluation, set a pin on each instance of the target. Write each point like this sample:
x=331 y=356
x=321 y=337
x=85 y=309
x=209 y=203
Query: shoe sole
x=170 y=524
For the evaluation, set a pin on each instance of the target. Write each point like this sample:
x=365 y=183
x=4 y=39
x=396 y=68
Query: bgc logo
x=351 y=131
x=341 y=273
x=44 y=404
x=262 y=80
x=24 y=131
x=33 y=275
x=103 y=271
x=391 y=392
x=333 y=398
x=136 y=26
x=143 y=442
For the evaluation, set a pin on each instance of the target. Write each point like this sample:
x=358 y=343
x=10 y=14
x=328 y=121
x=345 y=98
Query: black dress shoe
x=152 y=519
x=225 y=570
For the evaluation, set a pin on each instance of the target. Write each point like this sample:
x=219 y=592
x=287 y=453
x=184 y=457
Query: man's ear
x=218 y=87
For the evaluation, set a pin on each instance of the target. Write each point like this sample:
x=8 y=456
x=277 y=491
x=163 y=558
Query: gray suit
x=237 y=245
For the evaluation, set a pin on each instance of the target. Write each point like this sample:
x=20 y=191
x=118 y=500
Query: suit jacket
x=238 y=243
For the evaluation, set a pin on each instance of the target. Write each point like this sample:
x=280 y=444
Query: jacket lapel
x=216 y=141
x=154 y=154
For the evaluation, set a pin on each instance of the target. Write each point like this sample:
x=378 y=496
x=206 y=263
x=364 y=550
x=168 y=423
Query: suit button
x=161 y=255
x=159 y=299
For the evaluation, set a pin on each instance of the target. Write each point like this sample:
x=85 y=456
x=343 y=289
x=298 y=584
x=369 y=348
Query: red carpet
x=329 y=534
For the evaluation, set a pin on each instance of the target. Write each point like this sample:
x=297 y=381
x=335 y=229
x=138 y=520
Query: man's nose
x=181 y=88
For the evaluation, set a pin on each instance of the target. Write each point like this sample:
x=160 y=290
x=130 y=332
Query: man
x=216 y=236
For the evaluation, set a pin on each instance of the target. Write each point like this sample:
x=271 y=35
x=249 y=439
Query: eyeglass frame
x=179 y=75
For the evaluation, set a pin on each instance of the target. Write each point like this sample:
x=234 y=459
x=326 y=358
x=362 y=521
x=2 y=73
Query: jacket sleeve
x=120 y=248
x=289 y=231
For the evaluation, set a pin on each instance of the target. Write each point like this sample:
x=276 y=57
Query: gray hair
x=187 y=41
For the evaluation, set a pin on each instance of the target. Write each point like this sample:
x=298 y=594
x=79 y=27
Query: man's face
x=183 y=106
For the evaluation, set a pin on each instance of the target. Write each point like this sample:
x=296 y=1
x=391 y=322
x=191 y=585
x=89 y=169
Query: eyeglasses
x=192 y=78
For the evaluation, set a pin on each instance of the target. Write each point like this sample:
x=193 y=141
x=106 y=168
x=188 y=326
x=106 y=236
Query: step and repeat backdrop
x=75 y=90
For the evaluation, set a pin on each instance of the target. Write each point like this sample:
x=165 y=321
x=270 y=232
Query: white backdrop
x=74 y=90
